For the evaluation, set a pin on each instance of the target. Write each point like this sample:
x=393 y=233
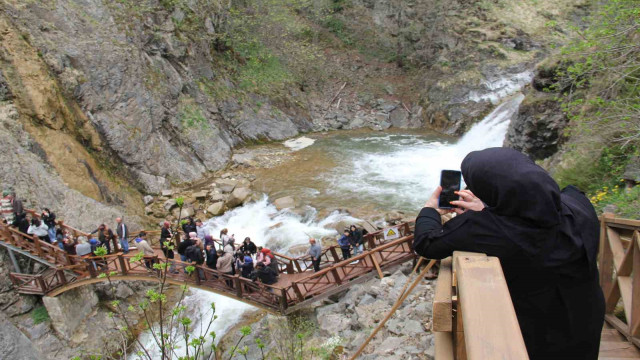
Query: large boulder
x=238 y=196
x=68 y=310
x=14 y=344
x=632 y=171
x=216 y=209
x=169 y=204
x=286 y=202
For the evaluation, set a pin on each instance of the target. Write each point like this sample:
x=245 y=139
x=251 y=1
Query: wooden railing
x=620 y=273
x=473 y=316
x=69 y=271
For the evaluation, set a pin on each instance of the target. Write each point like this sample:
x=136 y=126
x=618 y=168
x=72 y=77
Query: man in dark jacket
x=194 y=254
x=123 y=233
x=345 y=245
x=248 y=247
x=189 y=226
x=265 y=274
x=356 y=240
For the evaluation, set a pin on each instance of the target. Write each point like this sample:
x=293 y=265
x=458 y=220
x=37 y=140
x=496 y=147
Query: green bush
x=40 y=315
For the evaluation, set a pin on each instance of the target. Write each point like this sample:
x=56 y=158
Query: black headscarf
x=553 y=227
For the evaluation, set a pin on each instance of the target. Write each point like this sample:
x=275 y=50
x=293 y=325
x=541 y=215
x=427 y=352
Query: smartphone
x=450 y=180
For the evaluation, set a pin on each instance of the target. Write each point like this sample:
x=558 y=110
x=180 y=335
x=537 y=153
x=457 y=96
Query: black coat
x=250 y=248
x=50 y=220
x=194 y=253
x=165 y=235
x=184 y=245
x=545 y=248
x=212 y=258
x=265 y=274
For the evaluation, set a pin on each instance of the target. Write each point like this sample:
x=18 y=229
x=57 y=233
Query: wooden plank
x=606 y=261
x=635 y=296
x=375 y=263
x=622 y=328
x=442 y=309
x=616 y=247
x=444 y=346
x=624 y=282
x=491 y=329
x=458 y=334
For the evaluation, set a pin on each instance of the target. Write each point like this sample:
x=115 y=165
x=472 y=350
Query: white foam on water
x=299 y=143
x=502 y=87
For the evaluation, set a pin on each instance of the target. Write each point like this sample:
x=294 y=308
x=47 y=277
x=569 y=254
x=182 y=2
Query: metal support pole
x=16 y=267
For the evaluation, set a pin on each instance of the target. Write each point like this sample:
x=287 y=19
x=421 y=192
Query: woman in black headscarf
x=547 y=243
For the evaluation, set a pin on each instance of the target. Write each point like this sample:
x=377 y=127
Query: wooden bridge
x=473 y=316
x=297 y=286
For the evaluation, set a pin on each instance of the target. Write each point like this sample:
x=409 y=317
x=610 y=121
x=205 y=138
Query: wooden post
x=41 y=284
x=123 y=264
x=61 y=277
x=634 y=327
x=336 y=277
x=296 y=289
x=371 y=241
x=283 y=300
x=606 y=257
x=375 y=263
x=442 y=306
x=297 y=263
x=16 y=266
x=36 y=242
x=238 y=285
x=334 y=254
x=458 y=335
x=92 y=269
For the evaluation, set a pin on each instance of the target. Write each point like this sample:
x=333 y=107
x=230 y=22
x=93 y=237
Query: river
x=362 y=171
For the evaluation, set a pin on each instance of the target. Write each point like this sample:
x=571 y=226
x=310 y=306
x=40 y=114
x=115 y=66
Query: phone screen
x=450 y=182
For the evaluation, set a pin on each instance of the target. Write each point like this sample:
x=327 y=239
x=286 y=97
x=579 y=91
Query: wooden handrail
x=484 y=325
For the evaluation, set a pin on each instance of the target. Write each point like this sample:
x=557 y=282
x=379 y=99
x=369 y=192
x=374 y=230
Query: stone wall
x=68 y=310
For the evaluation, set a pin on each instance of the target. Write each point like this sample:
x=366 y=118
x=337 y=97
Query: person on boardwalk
x=224 y=237
x=147 y=250
x=356 y=239
x=345 y=245
x=212 y=256
x=123 y=233
x=16 y=204
x=248 y=247
x=547 y=242
x=194 y=255
x=83 y=248
x=315 y=251
x=224 y=265
x=39 y=229
x=166 y=236
x=6 y=206
x=246 y=266
x=49 y=219
x=268 y=259
x=265 y=274
x=200 y=229
x=189 y=226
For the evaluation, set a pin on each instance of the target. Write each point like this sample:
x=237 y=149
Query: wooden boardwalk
x=297 y=285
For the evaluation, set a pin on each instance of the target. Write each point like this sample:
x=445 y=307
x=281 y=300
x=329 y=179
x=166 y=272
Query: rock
x=123 y=291
x=538 y=127
x=148 y=199
x=393 y=216
x=632 y=170
x=366 y=300
x=402 y=327
x=238 y=196
x=68 y=310
x=247 y=159
x=167 y=193
x=227 y=188
x=148 y=210
x=216 y=197
x=284 y=203
x=14 y=344
x=355 y=292
x=187 y=211
x=216 y=209
x=201 y=195
x=383 y=125
x=169 y=204
x=334 y=323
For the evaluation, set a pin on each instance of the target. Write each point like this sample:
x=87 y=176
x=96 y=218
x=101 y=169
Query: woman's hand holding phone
x=433 y=202
x=467 y=202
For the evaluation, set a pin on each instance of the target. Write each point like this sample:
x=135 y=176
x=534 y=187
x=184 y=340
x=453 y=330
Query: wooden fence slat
x=442 y=308
x=491 y=328
x=616 y=247
x=635 y=299
x=624 y=283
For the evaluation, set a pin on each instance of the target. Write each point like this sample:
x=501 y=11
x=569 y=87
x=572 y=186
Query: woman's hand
x=468 y=202
x=433 y=202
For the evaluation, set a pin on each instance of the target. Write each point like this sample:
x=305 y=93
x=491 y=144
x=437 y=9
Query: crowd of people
x=195 y=244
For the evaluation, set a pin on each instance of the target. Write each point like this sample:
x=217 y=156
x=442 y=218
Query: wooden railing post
x=635 y=299
x=238 y=285
x=61 y=277
x=36 y=242
x=283 y=300
x=334 y=254
x=123 y=264
x=41 y=284
x=336 y=276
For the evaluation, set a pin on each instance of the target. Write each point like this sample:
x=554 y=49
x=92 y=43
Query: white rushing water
x=405 y=174
x=403 y=171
